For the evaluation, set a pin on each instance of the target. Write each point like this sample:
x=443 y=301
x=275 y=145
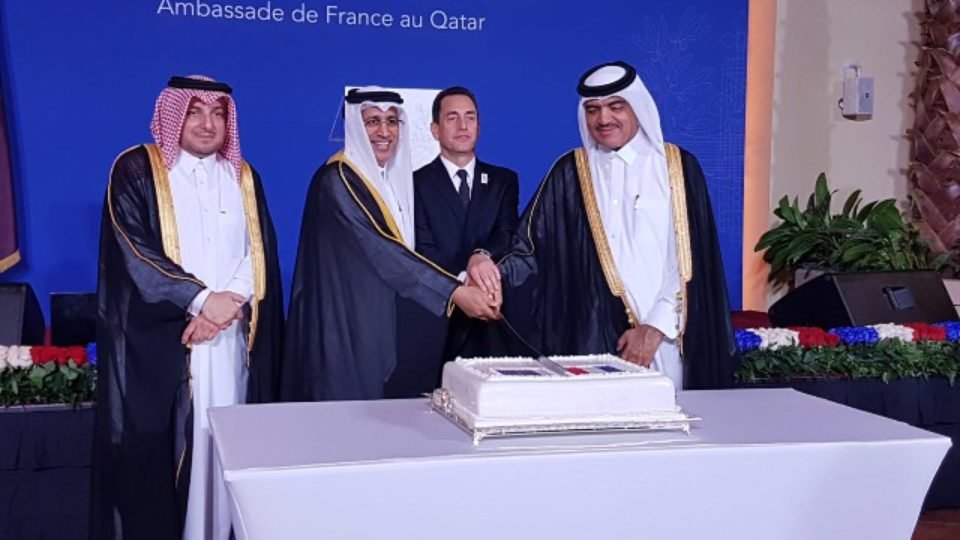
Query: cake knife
x=542 y=359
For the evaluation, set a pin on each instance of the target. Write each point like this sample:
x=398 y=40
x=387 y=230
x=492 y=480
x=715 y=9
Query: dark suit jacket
x=448 y=233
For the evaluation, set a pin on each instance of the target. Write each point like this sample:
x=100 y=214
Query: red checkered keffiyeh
x=170 y=112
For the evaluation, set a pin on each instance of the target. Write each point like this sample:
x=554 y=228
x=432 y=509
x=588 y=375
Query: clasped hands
x=219 y=311
x=480 y=297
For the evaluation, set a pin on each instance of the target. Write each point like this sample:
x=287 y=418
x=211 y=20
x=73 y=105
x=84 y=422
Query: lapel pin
x=483 y=178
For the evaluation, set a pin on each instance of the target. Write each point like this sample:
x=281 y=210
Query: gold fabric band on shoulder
x=257 y=252
x=130 y=244
x=168 y=218
x=607 y=262
x=681 y=223
x=340 y=159
x=394 y=234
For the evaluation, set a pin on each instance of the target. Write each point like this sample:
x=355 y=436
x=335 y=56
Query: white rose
x=3 y=357
x=774 y=338
x=19 y=357
x=893 y=331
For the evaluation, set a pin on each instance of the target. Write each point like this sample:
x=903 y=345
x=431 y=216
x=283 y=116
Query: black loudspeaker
x=73 y=318
x=859 y=298
x=21 y=321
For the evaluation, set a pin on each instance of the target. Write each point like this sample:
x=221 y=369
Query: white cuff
x=197 y=305
x=240 y=286
x=664 y=317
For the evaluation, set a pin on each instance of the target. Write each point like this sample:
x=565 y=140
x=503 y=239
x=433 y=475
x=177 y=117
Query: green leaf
x=865 y=211
x=852 y=201
x=822 y=192
x=788 y=214
x=856 y=252
x=36 y=375
x=771 y=237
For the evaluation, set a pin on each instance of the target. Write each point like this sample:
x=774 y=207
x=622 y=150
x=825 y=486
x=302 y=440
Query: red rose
x=41 y=355
x=77 y=354
x=927 y=332
x=814 y=337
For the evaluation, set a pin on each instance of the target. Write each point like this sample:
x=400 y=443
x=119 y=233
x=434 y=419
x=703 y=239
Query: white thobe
x=403 y=217
x=212 y=229
x=633 y=195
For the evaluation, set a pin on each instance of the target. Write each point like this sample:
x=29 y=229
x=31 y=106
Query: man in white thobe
x=183 y=291
x=602 y=261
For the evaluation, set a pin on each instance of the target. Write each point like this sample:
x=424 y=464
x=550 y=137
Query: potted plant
x=861 y=237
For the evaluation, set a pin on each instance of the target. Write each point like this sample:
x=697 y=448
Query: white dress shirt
x=452 y=169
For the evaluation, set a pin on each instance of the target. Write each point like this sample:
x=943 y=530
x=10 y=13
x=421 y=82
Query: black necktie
x=464 y=190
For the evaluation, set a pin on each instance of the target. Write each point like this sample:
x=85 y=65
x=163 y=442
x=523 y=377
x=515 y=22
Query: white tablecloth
x=762 y=464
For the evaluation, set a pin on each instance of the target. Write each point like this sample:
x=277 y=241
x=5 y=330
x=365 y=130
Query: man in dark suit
x=466 y=212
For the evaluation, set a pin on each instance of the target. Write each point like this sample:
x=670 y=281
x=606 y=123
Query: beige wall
x=814 y=40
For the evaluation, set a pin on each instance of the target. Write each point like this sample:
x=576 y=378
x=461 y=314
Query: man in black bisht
x=618 y=252
x=356 y=262
x=189 y=317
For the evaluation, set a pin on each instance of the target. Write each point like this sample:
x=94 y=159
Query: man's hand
x=476 y=303
x=484 y=273
x=638 y=345
x=222 y=308
x=199 y=330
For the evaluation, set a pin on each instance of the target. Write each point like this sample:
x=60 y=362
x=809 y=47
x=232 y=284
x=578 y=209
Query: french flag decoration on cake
x=598 y=369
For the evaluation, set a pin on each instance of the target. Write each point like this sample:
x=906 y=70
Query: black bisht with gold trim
x=352 y=268
x=558 y=295
x=144 y=418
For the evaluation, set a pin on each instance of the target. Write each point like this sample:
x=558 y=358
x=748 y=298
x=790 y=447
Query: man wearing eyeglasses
x=356 y=262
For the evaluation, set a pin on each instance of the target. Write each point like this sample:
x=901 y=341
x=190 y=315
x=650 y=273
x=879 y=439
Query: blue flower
x=953 y=330
x=856 y=335
x=92 y=354
x=747 y=340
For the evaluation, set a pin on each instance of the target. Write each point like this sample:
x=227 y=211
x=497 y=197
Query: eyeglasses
x=375 y=122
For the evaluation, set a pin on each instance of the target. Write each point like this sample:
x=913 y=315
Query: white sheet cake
x=597 y=392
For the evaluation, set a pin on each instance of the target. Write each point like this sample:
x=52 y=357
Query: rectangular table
x=930 y=403
x=763 y=463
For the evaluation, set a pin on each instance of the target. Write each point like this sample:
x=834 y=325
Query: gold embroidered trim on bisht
x=607 y=262
x=119 y=229
x=681 y=227
x=257 y=251
x=168 y=218
x=340 y=159
x=678 y=196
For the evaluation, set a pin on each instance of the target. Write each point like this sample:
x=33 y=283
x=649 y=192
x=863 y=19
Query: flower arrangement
x=31 y=375
x=885 y=351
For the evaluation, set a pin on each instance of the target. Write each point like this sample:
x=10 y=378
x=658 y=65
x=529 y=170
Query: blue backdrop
x=83 y=77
